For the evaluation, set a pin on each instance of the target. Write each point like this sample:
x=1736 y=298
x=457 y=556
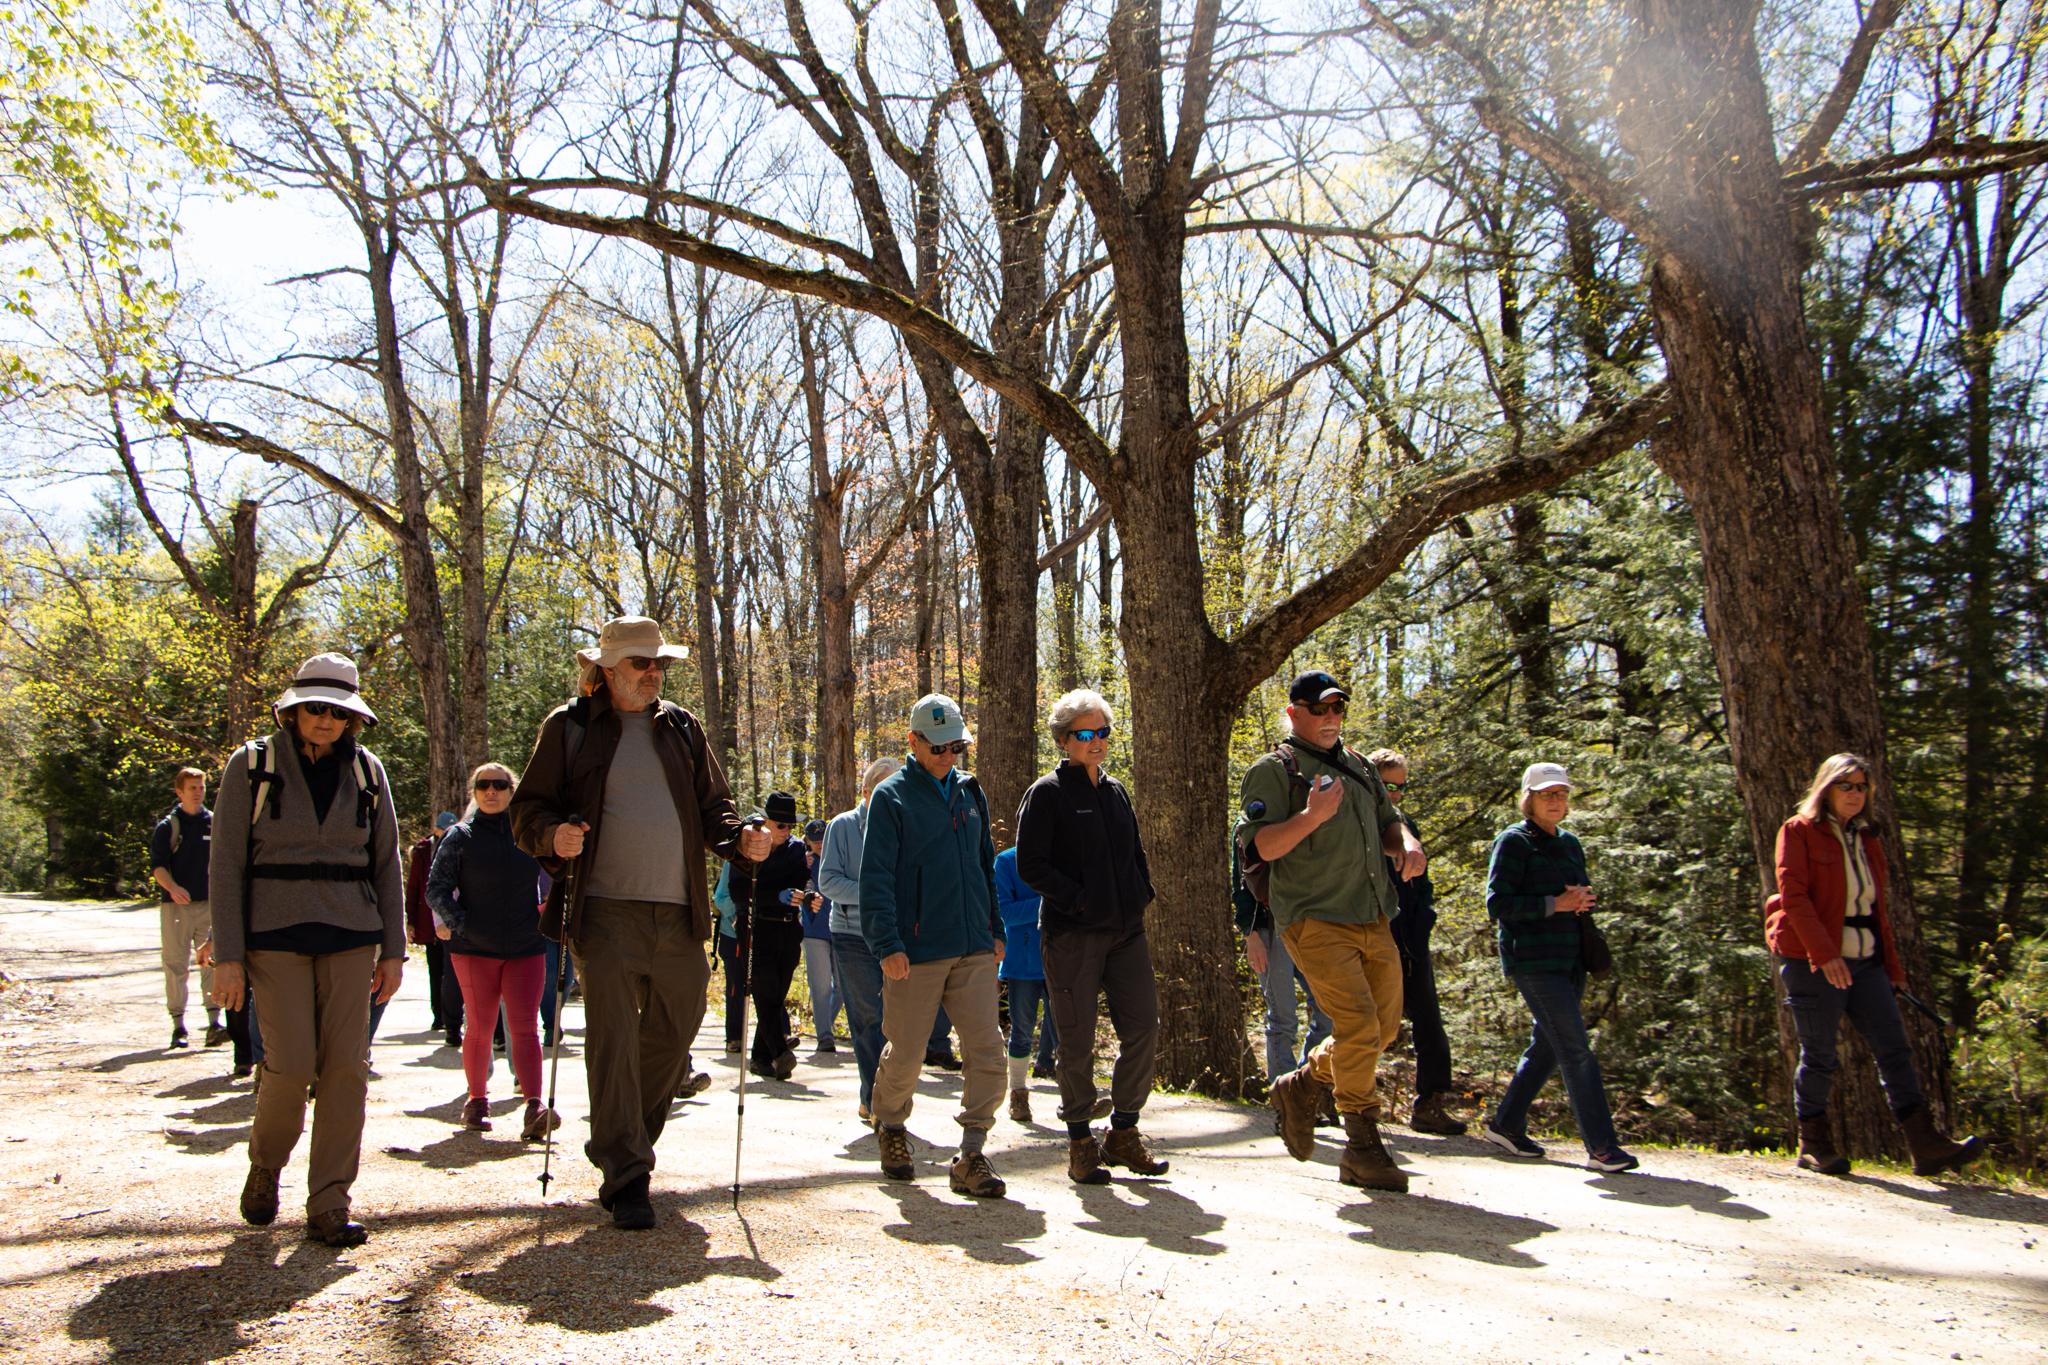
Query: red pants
x=517 y=981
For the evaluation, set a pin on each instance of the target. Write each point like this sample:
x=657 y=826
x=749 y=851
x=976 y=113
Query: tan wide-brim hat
x=331 y=678
x=625 y=637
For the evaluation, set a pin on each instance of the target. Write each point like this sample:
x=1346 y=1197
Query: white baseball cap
x=1543 y=776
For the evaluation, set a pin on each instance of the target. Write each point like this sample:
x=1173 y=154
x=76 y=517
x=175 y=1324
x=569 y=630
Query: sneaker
x=1612 y=1160
x=452 y=1038
x=823 y=1048
x=867 y=1116
x=973 y=1176
x=1040 y=1071
x=241 y=1071
x=896 y=1160
x=476 y=1115
x=216 y=1034
x=178 y=1038
x=1514 y=1144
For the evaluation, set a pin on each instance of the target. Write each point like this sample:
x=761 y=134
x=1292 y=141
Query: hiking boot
x=733 y=1047
x=696 y=1083
x=1124 y=1147
x=1041 y=1071
x=1327 y=1116
x=259 y=1196
x=178 y=1038
x=895 y=1148
x=1933 y=1150
x=785 y=1064
x=1612 y=1160
x=1020 y=1106
x=826 y=1047
x=1102 y=1108
x=942 y=1058
x=215 y=1034
x=630 y=1206
x=452 y=1038
x=972 y=1175
x=540 y=1121
x=1364 y=1161
x=1430 y=1116
x=1297 y=1098
x=333 y=1228
x=1817 y=1148
x=1084 y=1161
x=1514 y=1144
x=476 y=1115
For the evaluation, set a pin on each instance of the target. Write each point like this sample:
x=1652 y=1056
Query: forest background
x=1649 y=387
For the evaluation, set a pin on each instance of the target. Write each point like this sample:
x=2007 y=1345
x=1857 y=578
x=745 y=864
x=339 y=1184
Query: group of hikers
x=291 y=888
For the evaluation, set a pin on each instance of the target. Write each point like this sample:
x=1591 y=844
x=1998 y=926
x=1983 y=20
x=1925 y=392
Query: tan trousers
x=315 y=1016
x=966 y=986
x=184 y=928
x=1355 y=972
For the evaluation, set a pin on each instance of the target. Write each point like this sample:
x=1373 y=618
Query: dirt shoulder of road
x=120 y=1163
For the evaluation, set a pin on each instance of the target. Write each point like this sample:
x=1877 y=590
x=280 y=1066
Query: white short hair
x=1074 y=705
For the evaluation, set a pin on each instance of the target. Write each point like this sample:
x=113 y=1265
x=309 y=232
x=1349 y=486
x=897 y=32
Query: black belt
x=310 y=872
x=1860 y=922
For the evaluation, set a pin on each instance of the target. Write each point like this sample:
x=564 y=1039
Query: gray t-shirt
x=640 y=842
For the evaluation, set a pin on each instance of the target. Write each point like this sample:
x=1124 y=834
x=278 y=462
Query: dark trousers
x=244 y=1032
x=644 y=980
x=942 y=1033
x=1817 y=1010
x=1115 y=964
x=446 y=1006
x=860 y=990
x=1419 y=1001
x=1558 y=1042
x=776 y=950
x=548 y=1002
x=735 y=989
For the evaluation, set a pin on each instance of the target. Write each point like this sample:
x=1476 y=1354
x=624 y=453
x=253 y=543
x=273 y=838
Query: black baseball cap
x=1315 y=686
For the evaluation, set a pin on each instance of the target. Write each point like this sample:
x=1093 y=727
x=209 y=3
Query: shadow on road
x=463 y=1149
x=196 y=1313
x=1164 y=1217
x=1971 y=1201
x=1670 y=1192
x=989 y=1230
x=604 y=1280
x=1421 y=1222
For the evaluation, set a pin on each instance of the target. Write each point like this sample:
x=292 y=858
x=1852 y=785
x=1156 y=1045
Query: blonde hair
x=1072 y=707
x=1832 y=769
x=469 y=811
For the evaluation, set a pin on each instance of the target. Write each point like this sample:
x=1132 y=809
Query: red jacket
x=1805 y=918
x=419 y=920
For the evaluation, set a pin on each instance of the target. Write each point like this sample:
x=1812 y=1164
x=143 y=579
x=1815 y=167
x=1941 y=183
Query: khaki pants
x=1355 y=972
x=966 y=987
x=315 y=1017
x=184 y=927
x=644 y=980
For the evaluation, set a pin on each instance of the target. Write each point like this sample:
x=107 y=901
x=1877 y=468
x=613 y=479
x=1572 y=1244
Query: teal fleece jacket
x=927 y=869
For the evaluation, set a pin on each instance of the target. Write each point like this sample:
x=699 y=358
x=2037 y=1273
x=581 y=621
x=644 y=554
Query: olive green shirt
x=1339 y=872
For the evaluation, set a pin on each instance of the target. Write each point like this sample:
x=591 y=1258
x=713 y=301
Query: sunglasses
x=1089 y=736
x=958 y=746
x=1324 y=708
x=778 y=826
x=493 y=784
x=324 y=708
x=1845 y=785
x=1395 y=786
x=645 y=664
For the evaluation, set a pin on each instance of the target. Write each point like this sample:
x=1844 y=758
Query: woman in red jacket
x=1832 y=936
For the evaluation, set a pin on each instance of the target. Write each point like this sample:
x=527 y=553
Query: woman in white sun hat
x=309 y=915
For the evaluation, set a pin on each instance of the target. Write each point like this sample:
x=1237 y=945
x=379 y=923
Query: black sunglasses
x=493 y=784
x=324 y=708
x=1324 y=708
x=644 y=663
x=1845 y=785
x=958 y=746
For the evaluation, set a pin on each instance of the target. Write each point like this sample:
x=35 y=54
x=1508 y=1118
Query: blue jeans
x=824 y=979
x=1030 y=1004
x=1817 y=1010
x=860 y=992
x=1557 y=1042
x=1277 y=984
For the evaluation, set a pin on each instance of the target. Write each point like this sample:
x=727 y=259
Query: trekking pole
x=746 y=970
x=569 y=880
x=1917 y=1003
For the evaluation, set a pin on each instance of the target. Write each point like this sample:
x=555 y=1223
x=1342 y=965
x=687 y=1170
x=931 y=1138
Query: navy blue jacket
x=195 y=846
x=486 y=889
x=928 y=869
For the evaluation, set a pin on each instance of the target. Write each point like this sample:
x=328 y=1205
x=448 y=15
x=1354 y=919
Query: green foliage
x=2002 y=1065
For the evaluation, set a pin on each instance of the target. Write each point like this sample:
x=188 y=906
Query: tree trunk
x=1752 y=453
x=717 y=715
x=245 y=651
x=836 y=759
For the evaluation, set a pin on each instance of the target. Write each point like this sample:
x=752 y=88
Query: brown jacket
x=547 y=796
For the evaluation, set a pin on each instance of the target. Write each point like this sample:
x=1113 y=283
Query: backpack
x=1255 y=872
x=266 y=787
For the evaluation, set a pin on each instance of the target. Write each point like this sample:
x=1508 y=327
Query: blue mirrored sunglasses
x=1089 y=736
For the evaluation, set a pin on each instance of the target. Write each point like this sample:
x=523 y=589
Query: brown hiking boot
x=1084 y=1161
x=1020 y=1106
x=1296 y=1098
x=896 y=1159
x=259 y=1196
x=476 y=1115
x=1817 y=1148
x=540 y=1121
x=1933 y=1150
x=1364 y=1161
x=333 y=1228
x=972 y=1175
x=1124 y=1147
x=1430 y=1116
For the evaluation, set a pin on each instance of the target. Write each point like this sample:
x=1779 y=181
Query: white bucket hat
x=624 y=637
x=331 y=678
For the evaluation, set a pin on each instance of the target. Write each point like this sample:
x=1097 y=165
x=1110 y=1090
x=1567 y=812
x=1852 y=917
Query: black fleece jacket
x=1078 y=848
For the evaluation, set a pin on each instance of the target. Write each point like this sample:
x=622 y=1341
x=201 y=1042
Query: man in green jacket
x=928 y=913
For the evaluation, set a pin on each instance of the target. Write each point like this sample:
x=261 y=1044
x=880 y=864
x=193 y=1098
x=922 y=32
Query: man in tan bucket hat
x=625 y=782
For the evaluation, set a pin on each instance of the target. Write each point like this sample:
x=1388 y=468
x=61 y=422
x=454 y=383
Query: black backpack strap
x=575 y=726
